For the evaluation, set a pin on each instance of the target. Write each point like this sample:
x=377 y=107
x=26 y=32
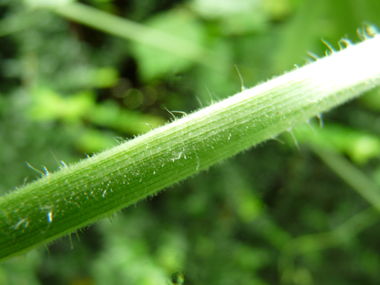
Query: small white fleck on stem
x=50 y=216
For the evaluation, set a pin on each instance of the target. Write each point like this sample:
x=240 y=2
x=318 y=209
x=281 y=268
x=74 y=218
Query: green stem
x=322 y=241
x=351 y=175
x=78 y=195
x=130 y=30
x=346 y=231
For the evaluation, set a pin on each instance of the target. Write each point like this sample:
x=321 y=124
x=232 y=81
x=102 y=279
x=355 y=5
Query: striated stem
x=80 y=194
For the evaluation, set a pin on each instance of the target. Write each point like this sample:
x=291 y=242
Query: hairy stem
x=82 y=193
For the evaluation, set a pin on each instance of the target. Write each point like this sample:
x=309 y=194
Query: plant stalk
x=77 y=195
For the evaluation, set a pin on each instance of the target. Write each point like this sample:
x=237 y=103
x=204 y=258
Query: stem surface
x=80 y=194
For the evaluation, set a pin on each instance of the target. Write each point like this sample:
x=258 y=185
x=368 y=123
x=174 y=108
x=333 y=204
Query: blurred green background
x=272 y=215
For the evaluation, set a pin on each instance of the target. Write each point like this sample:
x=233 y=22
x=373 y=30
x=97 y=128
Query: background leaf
x=272 y=215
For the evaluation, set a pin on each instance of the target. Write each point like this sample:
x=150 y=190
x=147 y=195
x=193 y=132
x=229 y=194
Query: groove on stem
x=82 y=193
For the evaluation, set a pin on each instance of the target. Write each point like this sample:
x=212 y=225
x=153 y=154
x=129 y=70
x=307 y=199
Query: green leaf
x=154 y=63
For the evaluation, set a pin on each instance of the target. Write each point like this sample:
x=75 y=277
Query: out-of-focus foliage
x=273 y=215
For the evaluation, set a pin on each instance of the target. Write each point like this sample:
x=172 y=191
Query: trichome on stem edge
x=80 y=194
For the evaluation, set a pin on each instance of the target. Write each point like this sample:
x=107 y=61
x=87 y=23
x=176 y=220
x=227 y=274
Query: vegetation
x=226 y=225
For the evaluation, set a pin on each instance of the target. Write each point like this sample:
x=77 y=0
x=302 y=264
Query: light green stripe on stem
x=83 y=193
